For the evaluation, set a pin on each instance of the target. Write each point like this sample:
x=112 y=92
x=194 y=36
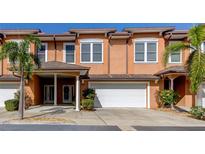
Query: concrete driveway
x=124 y=118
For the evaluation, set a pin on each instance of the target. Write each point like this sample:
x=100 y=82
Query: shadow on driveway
x=169 y=128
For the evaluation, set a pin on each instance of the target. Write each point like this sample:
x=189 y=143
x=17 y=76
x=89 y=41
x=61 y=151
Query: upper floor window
x=203 y=47
x=91 y=51
x=175 y=57
x=146 y=50
x=42 y=52
x=69 y=52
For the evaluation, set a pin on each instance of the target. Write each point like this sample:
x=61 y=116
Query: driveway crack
x=101 y=118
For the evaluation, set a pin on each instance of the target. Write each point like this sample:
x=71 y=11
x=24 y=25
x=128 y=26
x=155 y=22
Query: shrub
x=168 y=97
x=87 y=104
x=11 y=105
x=89 y=93
x=198 y=112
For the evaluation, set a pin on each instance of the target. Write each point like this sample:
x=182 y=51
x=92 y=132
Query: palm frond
x=173 y=48
x=36 y=60
x=196 y=69
x=8 y=48
x=33 y=39
x=196 y=35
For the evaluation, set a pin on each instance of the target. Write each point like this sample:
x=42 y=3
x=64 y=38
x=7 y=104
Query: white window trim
x=170 y=62
x=203 y=47
x=146 y=40
x=91 y=41
x=46 y=51
x=64 y=52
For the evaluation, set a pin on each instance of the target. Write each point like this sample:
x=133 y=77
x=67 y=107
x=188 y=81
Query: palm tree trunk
x=22 y=98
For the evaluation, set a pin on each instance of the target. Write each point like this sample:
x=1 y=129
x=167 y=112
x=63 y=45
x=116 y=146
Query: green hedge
x=87 y=104
x=198 y=112
x=11 y=105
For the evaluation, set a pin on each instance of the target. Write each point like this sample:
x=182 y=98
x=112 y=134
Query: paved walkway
x=123 y=118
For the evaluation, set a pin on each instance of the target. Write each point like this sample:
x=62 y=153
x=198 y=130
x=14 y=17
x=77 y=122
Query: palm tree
x=22 y=63
x=196 y=61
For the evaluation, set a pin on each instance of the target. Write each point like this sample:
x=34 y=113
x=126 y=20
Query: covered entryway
x=175 y=78
x=7 y=91
x=120 y=94
x=58 y=83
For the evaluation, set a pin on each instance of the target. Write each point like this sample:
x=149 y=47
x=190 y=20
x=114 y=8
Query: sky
x=64 y=27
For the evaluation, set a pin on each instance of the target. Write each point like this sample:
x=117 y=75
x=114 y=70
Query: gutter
x=54 y=38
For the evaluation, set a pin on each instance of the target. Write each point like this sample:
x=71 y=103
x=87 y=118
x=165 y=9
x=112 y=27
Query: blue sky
x=64 y=27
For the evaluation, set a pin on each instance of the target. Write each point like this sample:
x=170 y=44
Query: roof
x=19 y=31
x=57 y=37
x=9 y=78
x=172 y=69
x=56 y=65
x=119 y=35
x=141 y=77
x=177 y=34
x=149 y=29
x=93 y=31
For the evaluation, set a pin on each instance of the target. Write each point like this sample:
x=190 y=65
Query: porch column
x=172 y=83
x=77 y=100
x=55 y=89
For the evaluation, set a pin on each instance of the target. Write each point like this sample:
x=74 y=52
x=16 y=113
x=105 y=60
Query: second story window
x=91 y=51
x=42 y=53
x=146 y=51
x=69 y=55
x=175 y=57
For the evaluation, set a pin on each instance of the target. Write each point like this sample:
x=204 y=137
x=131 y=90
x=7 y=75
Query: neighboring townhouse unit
x=125 y=68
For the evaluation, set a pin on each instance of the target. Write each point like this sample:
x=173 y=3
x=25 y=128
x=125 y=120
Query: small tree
x=22 y=63
x=196 y=60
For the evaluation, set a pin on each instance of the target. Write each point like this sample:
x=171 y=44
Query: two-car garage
x=120 y=94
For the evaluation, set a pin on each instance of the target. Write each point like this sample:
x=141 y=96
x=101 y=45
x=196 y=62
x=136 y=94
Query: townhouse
x=125 y=68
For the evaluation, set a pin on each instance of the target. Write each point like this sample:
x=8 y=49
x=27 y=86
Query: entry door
x=48 y=94
x=67 y=93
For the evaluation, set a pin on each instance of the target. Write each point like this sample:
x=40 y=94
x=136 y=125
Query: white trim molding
x=46 y=51
x=91 y=42
x=64 y=52
x=180 y=58
x=145 y=41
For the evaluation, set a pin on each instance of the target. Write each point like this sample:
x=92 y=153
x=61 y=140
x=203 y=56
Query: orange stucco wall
x=117 y=64
x=118 y=57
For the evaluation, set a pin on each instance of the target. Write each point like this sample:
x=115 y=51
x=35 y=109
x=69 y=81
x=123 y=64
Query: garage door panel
x=7 y=92
x=120 y=94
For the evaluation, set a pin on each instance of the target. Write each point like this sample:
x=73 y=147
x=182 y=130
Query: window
x=91 y=51
x=69 y=55
x=203 y=47
x=42 y=53
x=146 y=51
x=176 y=56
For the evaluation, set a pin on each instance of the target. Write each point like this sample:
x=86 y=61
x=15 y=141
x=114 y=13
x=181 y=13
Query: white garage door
x=7 y=91
x=120 y=94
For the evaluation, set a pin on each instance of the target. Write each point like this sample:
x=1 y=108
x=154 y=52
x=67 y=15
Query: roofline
x=19 y=31
x=148 y=29
x=92 y=30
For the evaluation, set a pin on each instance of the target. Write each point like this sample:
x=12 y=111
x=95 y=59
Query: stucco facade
x=118 y=58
